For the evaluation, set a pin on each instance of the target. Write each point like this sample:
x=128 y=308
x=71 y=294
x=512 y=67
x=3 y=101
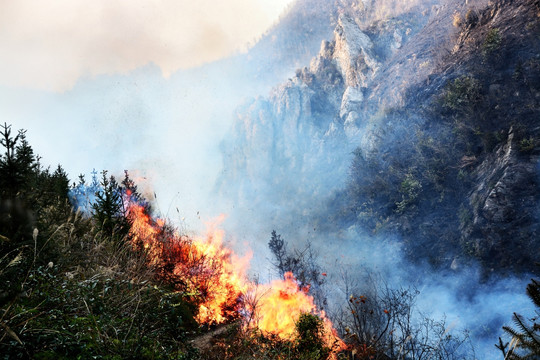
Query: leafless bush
x=381 y=322
x=303 y=264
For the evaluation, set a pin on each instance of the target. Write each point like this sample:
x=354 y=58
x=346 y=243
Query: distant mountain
x=291 y=42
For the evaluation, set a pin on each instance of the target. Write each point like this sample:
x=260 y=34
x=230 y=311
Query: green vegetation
x=525 y=338
x=527 y=145
x=104 y=317
x=462 y=95
x=492 y=43
x=410 y=189
x=72 y=286
x=310 y=338
x=414 y=171
x=420 y=164
x=465 y=216
x=108 y=209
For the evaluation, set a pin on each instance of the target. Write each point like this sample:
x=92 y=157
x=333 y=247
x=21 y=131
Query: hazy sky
x=99 y=84
x=50 y=44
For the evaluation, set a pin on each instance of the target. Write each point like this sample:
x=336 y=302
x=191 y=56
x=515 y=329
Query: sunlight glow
x=51 y=44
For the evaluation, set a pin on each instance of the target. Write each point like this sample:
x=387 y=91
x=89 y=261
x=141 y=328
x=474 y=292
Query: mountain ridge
x=394 y=120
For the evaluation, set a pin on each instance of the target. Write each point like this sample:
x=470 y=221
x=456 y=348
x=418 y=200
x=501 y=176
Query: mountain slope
x=421 y=123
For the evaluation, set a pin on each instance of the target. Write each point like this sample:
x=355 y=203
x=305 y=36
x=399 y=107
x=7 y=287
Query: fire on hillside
x=204 y=267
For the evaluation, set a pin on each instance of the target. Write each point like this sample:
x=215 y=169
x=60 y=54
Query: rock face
x=293 y=41
x=412 y=125
x=353 y=53
x=299 y=140
x=505 y=206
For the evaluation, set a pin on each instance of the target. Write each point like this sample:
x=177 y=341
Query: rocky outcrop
x=430 y=160
x=353 y=53
x=295 y=136
x=302 y=135
x=299 y=140
x=504 y=205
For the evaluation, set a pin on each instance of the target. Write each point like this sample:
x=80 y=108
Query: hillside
x=386 y=195
x=422 y=123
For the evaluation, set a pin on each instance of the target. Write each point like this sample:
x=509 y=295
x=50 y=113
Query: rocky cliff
x=300 y=138
x=417 y=120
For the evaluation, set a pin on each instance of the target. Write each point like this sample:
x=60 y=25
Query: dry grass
x=456 y=20
x=89 y=254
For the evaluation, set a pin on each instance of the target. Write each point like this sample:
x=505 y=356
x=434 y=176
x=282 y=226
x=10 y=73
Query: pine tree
x=49 y=194
x=131 y=193
x=26 y=161
x=279 y=250
x=59 y=184
x=525 y=343
x=11 y=173
x=32 y=207
x=108 y=208
x=17 y=166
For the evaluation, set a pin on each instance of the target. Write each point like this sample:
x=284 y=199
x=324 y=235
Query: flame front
x=201 y=267
x=281 y=304
x=204 y=268
x=225 y=286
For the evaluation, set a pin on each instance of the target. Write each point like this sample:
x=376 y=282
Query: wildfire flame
x=282 y=303
x=202 y=266
x=229 y=283
x=206 y=268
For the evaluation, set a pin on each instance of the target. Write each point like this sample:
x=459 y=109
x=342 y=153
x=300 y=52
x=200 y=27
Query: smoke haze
x=50 y=45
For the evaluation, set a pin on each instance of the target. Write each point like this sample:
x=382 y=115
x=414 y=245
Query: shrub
x=492 y=42
x=462 y=95
x=409 y=189
x=527 y=145
x=310 y=338
x=471 y=17
x=384 y=323
x=468 y=21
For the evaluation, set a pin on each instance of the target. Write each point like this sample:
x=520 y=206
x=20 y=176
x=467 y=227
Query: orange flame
x=281 y=305
x=229 y=283
x=215 y=275
x=202 y=266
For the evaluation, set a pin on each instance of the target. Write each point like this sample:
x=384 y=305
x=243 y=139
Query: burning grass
x=211 y=274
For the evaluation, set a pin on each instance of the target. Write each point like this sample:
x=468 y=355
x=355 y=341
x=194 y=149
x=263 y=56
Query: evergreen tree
x=525 y=343
x=279 y=250
x=82 y=195
x=26 y=162
x=59 y=184
x=32 y=207
x=109 y=209
x=17 y=163
x=131 y=192
x=12 y=169
x=49 y=196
